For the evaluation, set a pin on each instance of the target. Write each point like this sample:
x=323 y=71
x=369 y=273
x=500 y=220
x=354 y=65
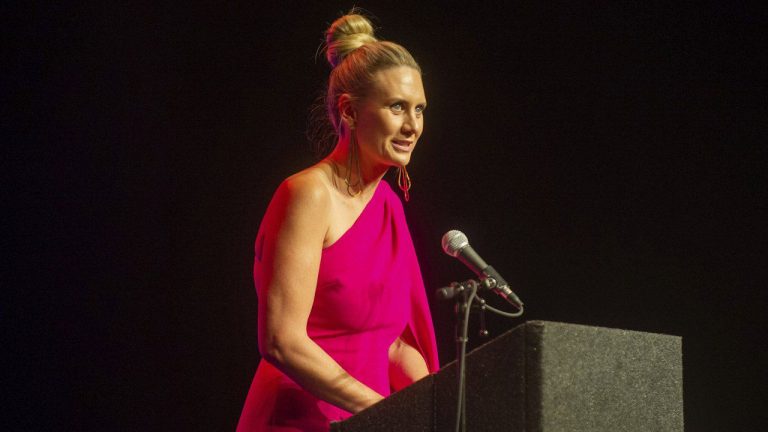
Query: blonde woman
x=343 y=316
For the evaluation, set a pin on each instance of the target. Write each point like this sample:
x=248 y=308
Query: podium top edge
x=559 y=324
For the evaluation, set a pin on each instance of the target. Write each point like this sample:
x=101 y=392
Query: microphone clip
x=456 y=289
x=491 y=280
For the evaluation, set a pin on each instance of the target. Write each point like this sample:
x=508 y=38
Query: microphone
x=455 y=244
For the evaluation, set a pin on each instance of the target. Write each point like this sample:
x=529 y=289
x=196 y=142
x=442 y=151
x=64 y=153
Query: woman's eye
x=397 y=106
x=420 y=108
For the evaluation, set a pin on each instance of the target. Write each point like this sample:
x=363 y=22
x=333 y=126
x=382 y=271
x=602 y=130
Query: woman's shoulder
x=301 y=204
x=307 y=189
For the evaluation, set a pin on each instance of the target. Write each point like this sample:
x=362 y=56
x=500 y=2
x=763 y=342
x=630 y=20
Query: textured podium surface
x=583 y=378
x=547 y=376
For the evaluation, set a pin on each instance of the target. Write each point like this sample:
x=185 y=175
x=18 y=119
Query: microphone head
x=453 y=242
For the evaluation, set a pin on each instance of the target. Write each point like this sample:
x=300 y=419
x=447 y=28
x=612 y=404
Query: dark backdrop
x=608 y=158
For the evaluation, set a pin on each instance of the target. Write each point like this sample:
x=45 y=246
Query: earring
x=353 y=163
x=404 y=181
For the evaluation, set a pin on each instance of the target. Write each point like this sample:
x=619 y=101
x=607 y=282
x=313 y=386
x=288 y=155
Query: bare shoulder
x=307 y=188
x=302 y=201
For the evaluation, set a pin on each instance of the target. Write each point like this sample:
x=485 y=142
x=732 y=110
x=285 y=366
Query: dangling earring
x=353 y=162
x=404 y=181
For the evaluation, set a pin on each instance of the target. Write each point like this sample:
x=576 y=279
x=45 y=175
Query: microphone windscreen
x=453 y=242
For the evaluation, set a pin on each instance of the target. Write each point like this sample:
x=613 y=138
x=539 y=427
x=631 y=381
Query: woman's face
x=390 y=119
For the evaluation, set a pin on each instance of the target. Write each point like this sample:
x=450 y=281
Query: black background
x=608 y=158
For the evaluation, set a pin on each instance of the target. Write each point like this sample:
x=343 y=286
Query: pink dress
x=369 y=292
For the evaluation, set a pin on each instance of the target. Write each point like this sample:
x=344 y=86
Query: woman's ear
x=347 y=111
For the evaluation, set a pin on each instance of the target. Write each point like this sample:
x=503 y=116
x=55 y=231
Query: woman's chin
x=401 y=159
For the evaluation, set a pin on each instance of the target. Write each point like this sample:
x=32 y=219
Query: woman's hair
x=355 y=56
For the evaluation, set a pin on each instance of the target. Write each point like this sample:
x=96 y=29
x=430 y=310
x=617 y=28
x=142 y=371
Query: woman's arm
x=298 y=220
x=406 y=365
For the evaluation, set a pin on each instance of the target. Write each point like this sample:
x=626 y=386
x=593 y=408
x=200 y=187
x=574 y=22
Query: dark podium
x=542 y=377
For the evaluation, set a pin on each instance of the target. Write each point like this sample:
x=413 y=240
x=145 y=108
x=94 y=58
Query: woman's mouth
x=403 y=145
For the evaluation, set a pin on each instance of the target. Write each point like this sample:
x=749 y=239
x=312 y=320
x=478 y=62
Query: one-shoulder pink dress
x=369 y=293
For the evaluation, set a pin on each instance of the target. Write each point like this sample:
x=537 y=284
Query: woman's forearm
x=312 y=368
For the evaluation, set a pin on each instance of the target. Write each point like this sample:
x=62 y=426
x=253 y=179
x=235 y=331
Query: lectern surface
x=547 y=377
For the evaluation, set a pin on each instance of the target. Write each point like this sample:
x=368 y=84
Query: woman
x=343 y=316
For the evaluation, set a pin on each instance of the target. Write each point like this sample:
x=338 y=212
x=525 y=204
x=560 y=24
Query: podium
x=546 y=377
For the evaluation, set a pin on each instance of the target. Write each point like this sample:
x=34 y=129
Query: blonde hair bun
x=345 y=35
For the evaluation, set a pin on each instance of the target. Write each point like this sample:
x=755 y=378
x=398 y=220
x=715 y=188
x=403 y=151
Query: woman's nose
x=412 y=124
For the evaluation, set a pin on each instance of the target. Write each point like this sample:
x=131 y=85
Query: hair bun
x=345 y=35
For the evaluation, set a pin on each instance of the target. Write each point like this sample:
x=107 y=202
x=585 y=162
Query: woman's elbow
x=277 y=348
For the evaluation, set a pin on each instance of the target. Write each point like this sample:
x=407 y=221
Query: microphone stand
x=466 y=294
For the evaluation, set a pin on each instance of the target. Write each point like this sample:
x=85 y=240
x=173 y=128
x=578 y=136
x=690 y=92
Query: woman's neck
x=359 y=175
